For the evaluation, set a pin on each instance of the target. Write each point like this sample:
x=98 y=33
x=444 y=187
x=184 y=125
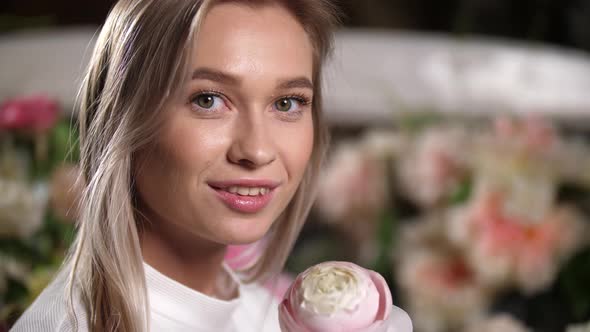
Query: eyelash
x=301 y=99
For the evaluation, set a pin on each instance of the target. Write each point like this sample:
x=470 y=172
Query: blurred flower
x=353 y=185
x=11 y=268
x=337 y=296
x=22 y=207
x=519 y=162
x=532 y=132
x=529 y=184
x=584 y=327
x=353 y=192
x=434 y=165
x=498 y=323
x=538 y=140
x=505 y=249
x=34 y=113
x=438 y=283
x=65 y=192
x=14 y=163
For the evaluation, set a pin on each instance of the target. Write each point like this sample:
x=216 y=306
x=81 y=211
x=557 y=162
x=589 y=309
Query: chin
x=246 y=232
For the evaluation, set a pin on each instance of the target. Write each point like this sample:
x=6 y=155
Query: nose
x=252 y=146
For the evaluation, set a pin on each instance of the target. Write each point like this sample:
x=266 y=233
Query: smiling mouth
x=246 y=191
x=245 y=197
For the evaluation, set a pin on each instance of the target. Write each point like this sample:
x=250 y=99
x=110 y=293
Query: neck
x=180 y=255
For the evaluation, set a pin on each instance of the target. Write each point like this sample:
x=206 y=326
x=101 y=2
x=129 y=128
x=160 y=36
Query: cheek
x=173 y=166
x=193 y=145
x=296 y=146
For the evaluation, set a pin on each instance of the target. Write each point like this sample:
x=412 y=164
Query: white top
x=173 y=307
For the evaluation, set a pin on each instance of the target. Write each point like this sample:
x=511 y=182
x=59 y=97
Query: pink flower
x=338 y=296
x=533 y=133
x=441 y=289
x=36 y=113
x=435 y=165
x=438 y=283
x=353 y=191
x=505 y=248
x=353 y=186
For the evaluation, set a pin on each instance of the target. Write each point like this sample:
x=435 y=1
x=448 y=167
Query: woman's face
x=234 y=146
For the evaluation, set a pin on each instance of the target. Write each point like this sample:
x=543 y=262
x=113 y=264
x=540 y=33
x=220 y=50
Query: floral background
x=477 y=224
x=38 y=175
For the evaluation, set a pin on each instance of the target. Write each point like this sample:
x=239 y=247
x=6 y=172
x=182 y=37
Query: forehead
x=243 y=40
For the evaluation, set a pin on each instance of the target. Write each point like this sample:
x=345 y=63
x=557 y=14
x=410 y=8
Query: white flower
x=326 y=290
x=22 y=207
x=338 y=296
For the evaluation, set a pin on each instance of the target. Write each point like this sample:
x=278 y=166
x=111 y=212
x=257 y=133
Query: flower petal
x=385 y=300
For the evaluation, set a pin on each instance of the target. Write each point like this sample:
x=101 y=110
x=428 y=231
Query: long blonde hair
x=139 y=60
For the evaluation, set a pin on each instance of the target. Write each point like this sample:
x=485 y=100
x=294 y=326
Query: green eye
x=205 y=101
x=284 y=105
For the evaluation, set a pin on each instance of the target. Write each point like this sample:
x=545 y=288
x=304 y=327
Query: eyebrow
x=224 y=78
x=215 y=76
x=299 y=82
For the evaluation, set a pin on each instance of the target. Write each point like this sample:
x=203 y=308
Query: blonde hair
x=138 y=62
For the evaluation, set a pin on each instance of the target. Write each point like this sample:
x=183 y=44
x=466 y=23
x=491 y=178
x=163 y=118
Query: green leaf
x=461 y=193
x=573 y=280
x=385 y=242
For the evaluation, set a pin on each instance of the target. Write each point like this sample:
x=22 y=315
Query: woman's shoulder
x=49 y=312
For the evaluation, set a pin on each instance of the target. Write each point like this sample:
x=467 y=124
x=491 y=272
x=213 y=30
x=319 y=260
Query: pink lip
x=244 y=204
x=244 y=183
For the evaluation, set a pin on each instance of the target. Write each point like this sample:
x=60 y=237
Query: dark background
x=561 y=22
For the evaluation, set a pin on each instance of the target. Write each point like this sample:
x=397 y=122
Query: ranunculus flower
x=340 y=297
x=35 y=113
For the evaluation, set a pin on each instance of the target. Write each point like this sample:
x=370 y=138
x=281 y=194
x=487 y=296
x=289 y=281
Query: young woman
x=200 y=127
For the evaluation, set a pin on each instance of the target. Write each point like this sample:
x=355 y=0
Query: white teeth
x=243 y=191
x=254 y=192
x=248 y=191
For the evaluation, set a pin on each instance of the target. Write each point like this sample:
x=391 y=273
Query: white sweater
x=177 y=308
x=173 y=307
